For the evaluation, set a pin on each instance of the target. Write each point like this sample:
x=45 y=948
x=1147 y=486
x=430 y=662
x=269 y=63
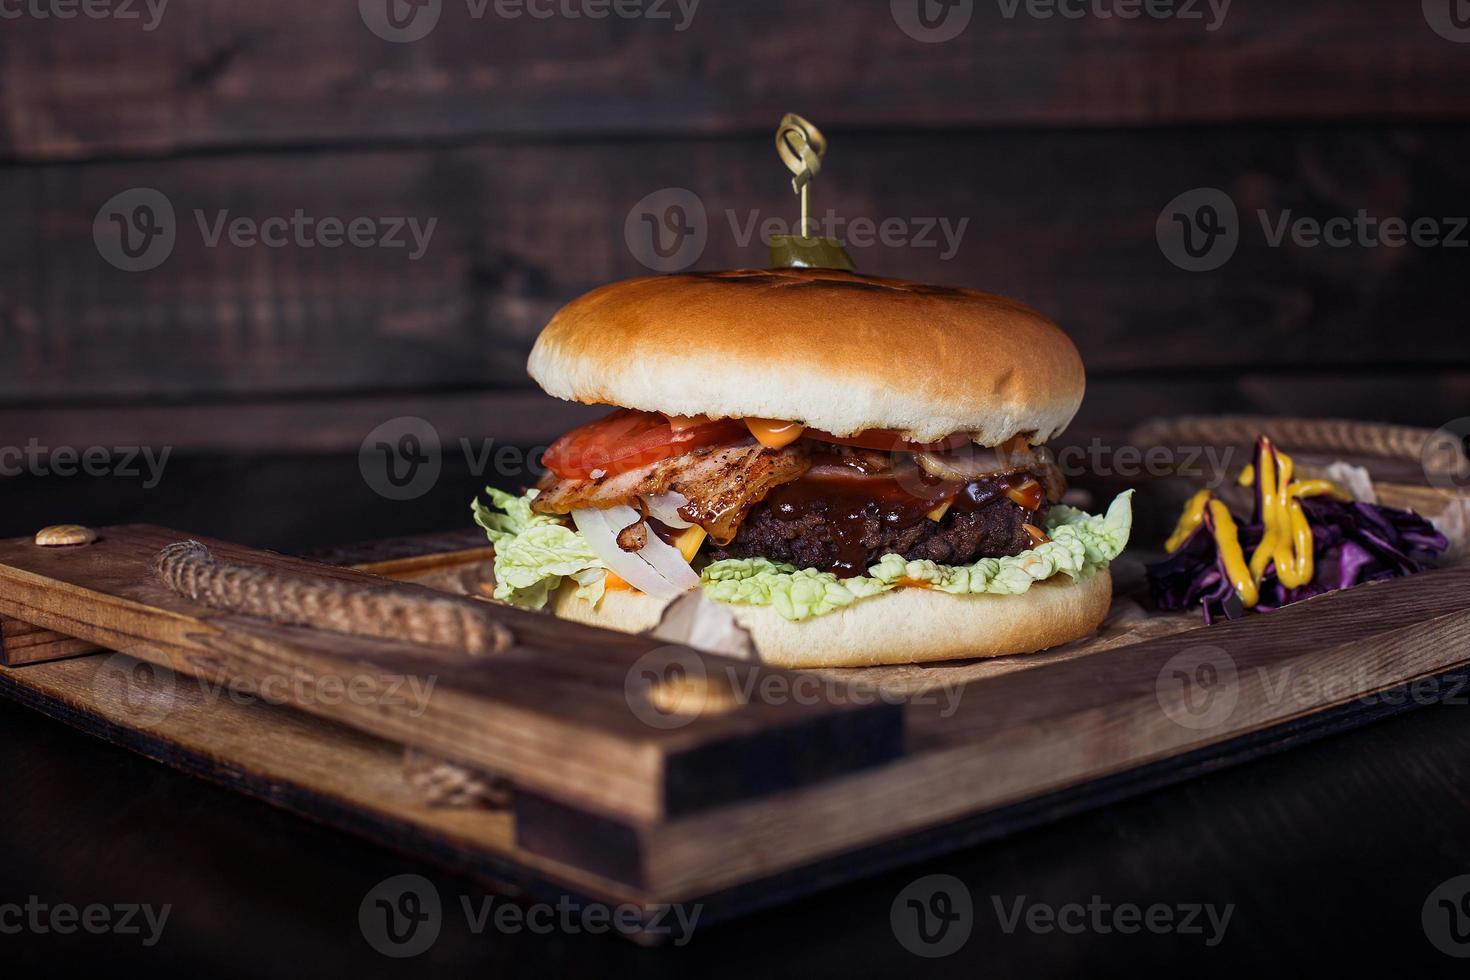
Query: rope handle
x=1442 y=453
x=442 y=784
x=379 y=612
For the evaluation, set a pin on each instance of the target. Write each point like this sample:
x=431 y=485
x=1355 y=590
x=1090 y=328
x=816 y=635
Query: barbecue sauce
x=897 y=500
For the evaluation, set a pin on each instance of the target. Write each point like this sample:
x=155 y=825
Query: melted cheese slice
x=688 y=542
x=774 y=434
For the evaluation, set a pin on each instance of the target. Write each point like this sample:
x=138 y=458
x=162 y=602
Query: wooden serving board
x=780 y=791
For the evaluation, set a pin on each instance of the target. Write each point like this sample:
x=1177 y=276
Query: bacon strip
x=721 y=484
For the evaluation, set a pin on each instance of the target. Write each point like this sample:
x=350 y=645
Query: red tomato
x=626 y=440
x=886 y=440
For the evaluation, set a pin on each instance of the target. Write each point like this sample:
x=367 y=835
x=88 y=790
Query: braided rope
x=442 y=784
x=1313 y=435
x=381 y=612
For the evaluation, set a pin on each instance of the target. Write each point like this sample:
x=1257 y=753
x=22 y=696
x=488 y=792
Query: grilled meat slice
x=720 y=483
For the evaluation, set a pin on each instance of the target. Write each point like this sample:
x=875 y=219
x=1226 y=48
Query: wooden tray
x=784 y=792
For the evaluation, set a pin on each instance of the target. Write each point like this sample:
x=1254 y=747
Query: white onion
x=601 y=527
x=665 y=509
x=971 y=463
x=841 y=471
x=669 y=562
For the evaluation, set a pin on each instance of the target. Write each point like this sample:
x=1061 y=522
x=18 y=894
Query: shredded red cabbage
x=1353 y=543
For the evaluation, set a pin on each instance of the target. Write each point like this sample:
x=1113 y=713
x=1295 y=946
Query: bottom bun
x=904 y=626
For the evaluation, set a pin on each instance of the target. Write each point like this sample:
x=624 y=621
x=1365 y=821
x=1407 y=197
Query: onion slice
x=601 y=527
x=841 y=471
x=973 y=463
x=669 y=562
x=664 y=508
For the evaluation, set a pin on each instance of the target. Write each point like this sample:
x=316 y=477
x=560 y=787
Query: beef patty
x=847 y=536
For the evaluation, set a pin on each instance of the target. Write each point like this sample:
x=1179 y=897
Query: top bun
x=832 y=350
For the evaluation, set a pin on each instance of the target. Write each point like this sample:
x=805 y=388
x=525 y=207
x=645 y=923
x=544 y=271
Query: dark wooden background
x=261 y=371
x=529 y=141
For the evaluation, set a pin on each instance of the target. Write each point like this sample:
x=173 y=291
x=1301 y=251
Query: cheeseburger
x=852 y=465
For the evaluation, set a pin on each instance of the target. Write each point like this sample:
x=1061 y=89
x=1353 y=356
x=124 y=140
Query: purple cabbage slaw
x=1352 y=543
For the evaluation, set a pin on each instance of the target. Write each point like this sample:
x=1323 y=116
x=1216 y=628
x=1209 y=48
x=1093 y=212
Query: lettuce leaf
x=534 y=553
x=795 y=593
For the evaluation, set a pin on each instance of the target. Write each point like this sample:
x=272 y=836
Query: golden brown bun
x=907 y=625
x=832 y=350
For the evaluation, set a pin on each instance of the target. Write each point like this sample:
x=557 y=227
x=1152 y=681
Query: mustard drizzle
x=1286 y=542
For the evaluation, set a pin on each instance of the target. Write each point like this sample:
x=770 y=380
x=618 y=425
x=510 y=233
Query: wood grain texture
x=505 y=713
x=229 y=322
x=474 y=426
x=307 y=763
x=454 y=562
x=1020 y=732
x=1269 y=837
x=1031 y=732
x=297 y=426
x=353 y=782
x=21 y=643
x=219 y=74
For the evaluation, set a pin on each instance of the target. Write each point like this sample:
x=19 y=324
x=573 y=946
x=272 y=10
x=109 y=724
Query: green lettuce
x=537 y=552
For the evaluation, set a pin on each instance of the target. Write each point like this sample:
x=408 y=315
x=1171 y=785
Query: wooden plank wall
x=1056 y=141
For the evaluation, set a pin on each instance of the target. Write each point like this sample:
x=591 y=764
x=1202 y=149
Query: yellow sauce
x=774 y=434
x=1286 y=542
x=1247 y=585
x=1194 y=513
x=681 y=422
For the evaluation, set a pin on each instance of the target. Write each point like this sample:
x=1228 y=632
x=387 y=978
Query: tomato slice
x=628 y=439
x=888 y=440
